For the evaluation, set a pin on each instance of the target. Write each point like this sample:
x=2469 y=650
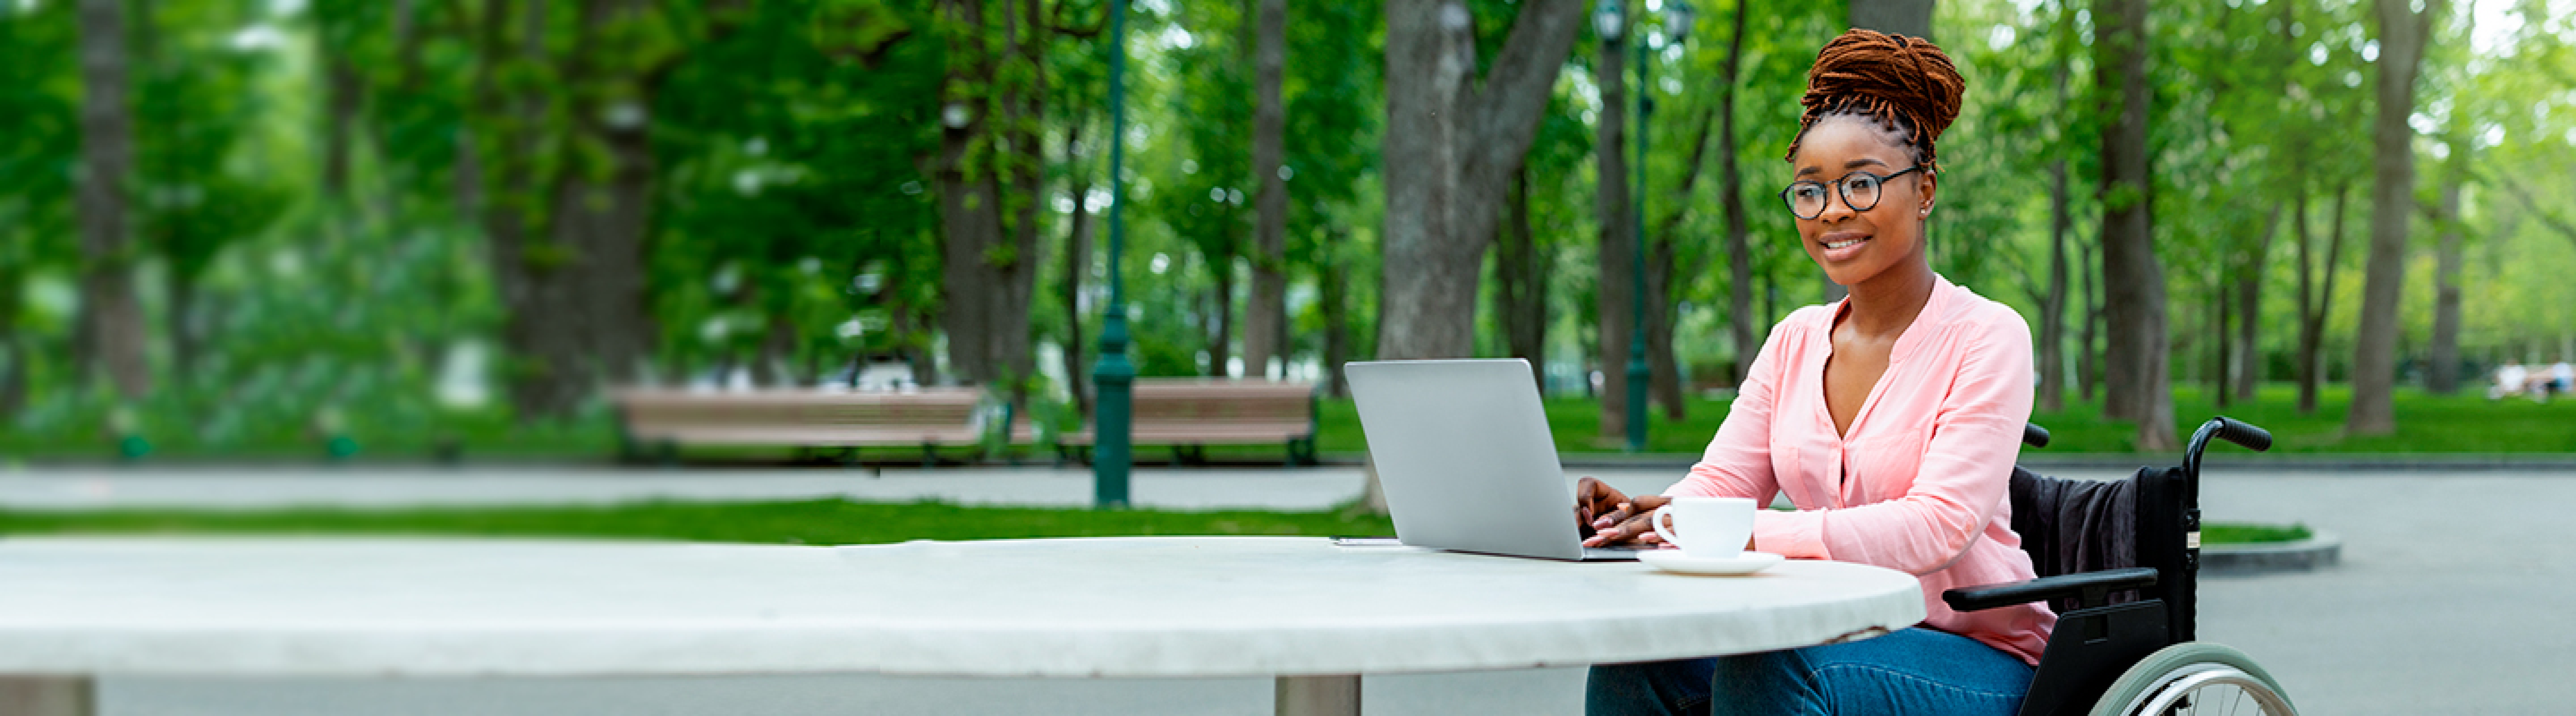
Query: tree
x=2051 y=387
x=1266 y=316
x=110 y=335
x=1520 y=282
x=2135 y=363
x=1912 y=18
x=40 y=71
x=1744 y=327
x=1614 y=290
x=2316 y=295
x=2403 y=33
x=988 y=174
x=564 y=173
x=2442 y=359
x=1664 y=264
x=1450 y=148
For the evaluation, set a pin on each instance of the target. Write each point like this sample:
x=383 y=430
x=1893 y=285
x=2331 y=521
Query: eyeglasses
x=1808 y=199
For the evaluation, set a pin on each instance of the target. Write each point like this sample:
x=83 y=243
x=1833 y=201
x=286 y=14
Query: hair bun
x=1904 y=81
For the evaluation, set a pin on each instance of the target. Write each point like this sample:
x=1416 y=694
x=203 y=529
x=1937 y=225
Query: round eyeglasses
x=1808 y=199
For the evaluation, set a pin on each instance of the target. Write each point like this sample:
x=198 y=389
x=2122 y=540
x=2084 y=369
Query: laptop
x=1463 y=452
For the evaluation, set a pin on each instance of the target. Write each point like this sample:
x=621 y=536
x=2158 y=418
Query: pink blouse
x=1918 y=484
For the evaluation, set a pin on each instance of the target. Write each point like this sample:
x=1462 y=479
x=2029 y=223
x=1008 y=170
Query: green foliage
x=794 y=221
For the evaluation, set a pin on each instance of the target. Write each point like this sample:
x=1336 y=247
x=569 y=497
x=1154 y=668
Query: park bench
x=806 y=418
x=1192 y=413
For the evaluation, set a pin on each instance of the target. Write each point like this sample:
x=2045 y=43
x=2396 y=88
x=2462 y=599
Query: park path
x=2451 y=597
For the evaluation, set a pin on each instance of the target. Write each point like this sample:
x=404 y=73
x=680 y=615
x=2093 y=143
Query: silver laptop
x=1463 y=451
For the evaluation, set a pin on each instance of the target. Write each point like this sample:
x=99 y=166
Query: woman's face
x=1855 y=246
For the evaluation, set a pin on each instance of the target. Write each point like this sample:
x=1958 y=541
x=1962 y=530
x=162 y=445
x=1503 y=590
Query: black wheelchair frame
x=2121 y=616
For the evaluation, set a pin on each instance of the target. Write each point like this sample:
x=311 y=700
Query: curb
x=2324 y=549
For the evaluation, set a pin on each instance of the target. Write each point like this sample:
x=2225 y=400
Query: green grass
x=828 y=521
x=2221 y=533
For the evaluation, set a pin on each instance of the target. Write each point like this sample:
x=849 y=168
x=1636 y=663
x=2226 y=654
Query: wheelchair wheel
x=2194 y=678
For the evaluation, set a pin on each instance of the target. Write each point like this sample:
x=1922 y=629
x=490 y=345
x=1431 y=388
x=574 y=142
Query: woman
x=1890 y=418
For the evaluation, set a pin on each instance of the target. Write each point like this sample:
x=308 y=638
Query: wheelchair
x=2119 y=560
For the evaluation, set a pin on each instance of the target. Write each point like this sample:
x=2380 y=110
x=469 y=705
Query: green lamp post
x=1113 y=377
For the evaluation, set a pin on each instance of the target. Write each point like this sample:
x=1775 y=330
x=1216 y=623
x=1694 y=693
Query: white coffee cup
x=1712 y=527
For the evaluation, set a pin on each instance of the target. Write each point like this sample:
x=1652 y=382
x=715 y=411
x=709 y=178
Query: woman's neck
x=1886 y=304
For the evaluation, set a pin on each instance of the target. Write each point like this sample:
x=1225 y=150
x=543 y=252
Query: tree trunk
x=1614 y=284
x=180 y=320
x=109 y=336
x=527 y=264
x=2136 y=361
x=1663 y=368
x=1333 y=289
x=1662 y=308
x=585 y=276
x=16 y=347
x=990 y=255
x=2442 y=374
x=1743 y=325
x=1904 y=17
x=1450 y=147
x=605 y=218
x=13 y=373
x=2052 y=307
x=343 y=94
x=2222 y=309
x=2249 y=307
x=2316 y=306
x=1221 y=311
x=1077 y=265
x=1265 y=317
x=2088 y=353
x=1520 y=283
x=2374 y=359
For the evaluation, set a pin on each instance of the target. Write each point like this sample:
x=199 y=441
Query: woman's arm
x=1964 y=474
x=1736 y=464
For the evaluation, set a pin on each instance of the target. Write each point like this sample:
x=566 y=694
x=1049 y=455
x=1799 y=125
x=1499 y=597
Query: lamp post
x=1610 y=20
x=1112 y=376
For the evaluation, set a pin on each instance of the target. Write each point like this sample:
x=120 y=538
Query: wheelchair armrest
x=2092 y=587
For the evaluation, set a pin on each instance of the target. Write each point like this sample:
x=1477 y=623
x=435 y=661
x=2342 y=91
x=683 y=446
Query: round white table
x=1310 y=613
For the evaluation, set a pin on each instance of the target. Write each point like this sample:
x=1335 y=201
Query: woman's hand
x=1607 y=517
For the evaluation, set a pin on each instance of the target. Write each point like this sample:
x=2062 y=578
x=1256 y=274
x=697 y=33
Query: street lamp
x=1607 y=18
x=1112 y=376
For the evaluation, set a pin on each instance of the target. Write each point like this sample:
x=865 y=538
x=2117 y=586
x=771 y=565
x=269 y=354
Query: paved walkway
x=2451 y=598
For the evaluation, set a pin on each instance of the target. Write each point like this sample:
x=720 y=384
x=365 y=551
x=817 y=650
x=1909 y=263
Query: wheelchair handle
x=2033 y=435
x=2226 y=428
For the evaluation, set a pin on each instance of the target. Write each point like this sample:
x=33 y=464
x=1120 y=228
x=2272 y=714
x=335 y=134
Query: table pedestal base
x=61 y=696
x=1318 y=696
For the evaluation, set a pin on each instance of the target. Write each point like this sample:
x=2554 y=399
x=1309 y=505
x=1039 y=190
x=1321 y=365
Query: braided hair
x=1905 y=83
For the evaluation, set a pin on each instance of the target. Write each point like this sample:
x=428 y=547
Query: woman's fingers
x=1619 y=513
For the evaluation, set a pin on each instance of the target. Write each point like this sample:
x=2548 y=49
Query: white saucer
x=1674 y=560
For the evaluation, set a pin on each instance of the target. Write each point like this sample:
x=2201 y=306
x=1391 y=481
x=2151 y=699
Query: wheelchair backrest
x=2144 y=520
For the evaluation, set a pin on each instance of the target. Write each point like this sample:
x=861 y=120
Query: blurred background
x=246 y=227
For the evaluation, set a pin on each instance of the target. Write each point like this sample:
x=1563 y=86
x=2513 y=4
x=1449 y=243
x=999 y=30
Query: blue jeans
x=1915 y=671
